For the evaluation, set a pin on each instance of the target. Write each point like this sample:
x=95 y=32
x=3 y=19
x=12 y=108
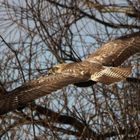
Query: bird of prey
x=101 y=66
x=95 y=71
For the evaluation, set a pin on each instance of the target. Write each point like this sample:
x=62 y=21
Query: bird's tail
x=111 y=75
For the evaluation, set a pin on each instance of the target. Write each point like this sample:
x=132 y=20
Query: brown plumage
x=115 y=52
x=30 y=91
x=101 y=66
x=94 y=71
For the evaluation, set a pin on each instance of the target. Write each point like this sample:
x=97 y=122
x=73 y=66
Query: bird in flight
x=94 y=71
x=101 y=66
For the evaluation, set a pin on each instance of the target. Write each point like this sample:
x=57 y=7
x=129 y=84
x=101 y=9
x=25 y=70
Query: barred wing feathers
x=111 y=75
x=21 y=96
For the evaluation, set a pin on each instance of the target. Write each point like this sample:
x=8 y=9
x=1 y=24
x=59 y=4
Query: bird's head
x=57 y=69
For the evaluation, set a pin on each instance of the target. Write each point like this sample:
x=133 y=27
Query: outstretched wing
x=111 y=75
x=115 y=52
x=110 y=54
x=37 y=88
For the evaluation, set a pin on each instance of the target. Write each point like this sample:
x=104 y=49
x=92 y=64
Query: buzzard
x=101 y=66
x=95 y=71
